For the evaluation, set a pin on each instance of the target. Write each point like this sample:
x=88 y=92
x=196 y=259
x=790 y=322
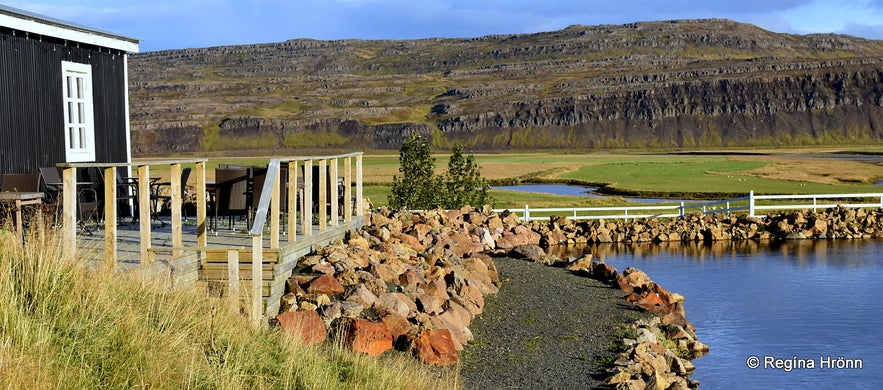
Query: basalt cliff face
x=668 y=84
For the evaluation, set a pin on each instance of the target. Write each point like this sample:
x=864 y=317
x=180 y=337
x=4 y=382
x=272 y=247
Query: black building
x=63 y=93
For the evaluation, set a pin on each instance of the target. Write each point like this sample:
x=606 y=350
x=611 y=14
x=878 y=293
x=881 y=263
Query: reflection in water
x=804 y=298
x=801 y=252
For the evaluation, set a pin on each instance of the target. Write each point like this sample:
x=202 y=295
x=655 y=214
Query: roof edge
x=38 y=24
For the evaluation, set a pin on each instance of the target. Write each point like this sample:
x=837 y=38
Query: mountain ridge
x=666 y=84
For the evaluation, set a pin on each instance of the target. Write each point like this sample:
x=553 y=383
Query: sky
x=179 y=24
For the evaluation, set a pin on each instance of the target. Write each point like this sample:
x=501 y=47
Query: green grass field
x=706 y=176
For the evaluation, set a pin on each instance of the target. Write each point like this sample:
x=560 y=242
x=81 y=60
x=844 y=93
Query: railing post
x=814 y=203
x=257 y=259
x=360 y=209
x=177 y=203
x=323 y=194
x=682 y=211
x=335 y=195
x=144 y=211
x=233 y=279
x=728 y=208
x=292 y=201
x=69 y=208
x=751 y=203
x=306 y=217
x=201 y=230
x=110 y=217
x=526 y=213
x=274 y=211
x=348 y=189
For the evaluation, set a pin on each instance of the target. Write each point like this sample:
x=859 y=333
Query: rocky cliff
x=668 y=84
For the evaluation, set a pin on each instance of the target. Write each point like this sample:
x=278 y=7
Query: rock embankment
x=834 y=223
x=414 y=281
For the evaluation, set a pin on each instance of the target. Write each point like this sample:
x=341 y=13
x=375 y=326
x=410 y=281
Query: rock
x=582 y=263
x=650 y=360
x=359 y=293
x=323 y=267
x=644 y=335
x=305 y=326
x=634 y=384
x=619 y=377
x=396 y=324
x=410 y=240
x=436 y=347
x=528 y=251
x=429 y=304
x=368 y=337
x=359 y=241
x=325 y=284
x=396 y=303
x=288 y=302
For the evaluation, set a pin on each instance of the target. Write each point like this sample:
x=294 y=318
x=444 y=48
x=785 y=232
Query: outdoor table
x=21 y=199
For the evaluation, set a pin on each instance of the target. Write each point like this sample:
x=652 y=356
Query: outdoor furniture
x=231 y=192
x=19 y=190
x=159 y=194
x=20 y=199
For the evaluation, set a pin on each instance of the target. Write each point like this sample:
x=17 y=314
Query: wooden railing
x=268 y=208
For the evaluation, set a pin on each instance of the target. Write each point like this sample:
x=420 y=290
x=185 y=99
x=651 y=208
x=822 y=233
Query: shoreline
x=417 y=281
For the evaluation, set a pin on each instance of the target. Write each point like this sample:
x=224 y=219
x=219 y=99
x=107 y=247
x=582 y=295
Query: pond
x=789 y=305
x=570 y=190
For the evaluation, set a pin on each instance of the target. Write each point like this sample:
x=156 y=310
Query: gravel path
x=546 y=328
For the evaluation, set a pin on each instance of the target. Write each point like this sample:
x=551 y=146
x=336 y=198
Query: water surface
x=798 y=301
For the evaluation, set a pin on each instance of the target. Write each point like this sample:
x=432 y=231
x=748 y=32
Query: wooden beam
x=348 y=189
x=307 y=210
x=274 y=213
x=144 y=212
x=177 y=203
x=110 y=217
x=69 y=208
x=292 y=201
x=201 y=228
x=323 y=194
x=334 y=196
x=360 y=207
x=233 y=279
x=257 y=257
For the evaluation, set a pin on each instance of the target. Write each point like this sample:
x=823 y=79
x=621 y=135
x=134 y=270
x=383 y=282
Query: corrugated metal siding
x=31 y=113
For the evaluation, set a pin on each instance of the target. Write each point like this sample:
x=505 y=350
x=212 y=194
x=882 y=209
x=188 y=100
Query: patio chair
x=159 y=196
x=231 y=192
x=20 y=182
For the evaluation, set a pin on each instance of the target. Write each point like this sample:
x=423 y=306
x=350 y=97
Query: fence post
x=814 y=203
x=751 y=203
x=728 y=208
x=526 y=213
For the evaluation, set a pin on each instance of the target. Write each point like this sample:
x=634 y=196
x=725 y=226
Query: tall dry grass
x=65 y=325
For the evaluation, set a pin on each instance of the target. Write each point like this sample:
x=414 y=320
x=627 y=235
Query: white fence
x=747 y=203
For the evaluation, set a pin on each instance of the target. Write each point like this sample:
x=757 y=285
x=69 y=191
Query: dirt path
x=546 y=328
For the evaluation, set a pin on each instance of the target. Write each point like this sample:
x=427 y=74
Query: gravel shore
x=546 y=328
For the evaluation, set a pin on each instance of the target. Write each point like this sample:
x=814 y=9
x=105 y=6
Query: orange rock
x=396 y=324
x=436 y=347
x=410 y=240
x=372 y=338
x=325 y=284
x=305 y=326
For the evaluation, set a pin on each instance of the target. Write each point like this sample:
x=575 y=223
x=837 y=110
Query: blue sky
x=177 y=24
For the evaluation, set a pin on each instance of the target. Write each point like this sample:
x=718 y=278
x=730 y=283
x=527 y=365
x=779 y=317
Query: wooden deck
x=210 y=264
x=226 y=261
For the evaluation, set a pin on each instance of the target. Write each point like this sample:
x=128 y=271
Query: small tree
x=463 y=182
x=417 y=187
